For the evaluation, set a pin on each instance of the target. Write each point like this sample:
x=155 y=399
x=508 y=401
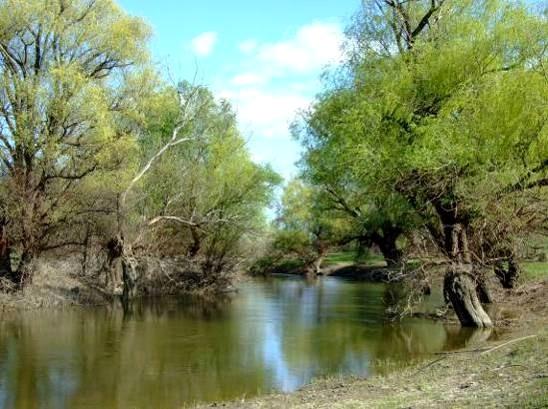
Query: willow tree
x=196 y=196
x=330 y=132
x=63 y=74
x=206 y=193
x=449 y=110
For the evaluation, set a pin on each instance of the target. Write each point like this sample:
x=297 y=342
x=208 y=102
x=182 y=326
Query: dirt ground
x=511 y=372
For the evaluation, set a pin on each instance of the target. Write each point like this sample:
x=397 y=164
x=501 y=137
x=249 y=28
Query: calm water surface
x=273 y=335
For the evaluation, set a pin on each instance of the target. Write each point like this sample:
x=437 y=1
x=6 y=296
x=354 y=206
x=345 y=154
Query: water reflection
x=274 y=334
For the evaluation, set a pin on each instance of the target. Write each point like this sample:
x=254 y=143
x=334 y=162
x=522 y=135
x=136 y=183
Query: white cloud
x=268 y=113
x=248 y=79
x=203 y=44
x=248 y=46
x=274 y=81
x=313 y=47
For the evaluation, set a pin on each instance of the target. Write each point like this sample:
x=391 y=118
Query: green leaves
x=209 y=180
x=454 y=117
x=67 y=92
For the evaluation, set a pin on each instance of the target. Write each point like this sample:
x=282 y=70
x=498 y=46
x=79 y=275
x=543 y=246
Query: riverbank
x=60 y=282
x=510 y=372
x=55 y=284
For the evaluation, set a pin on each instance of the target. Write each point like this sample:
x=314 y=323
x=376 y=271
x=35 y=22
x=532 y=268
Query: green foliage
x=455 y=119
x=66 y=73
x=205 y=196
x=86 y=122
x=305 y=226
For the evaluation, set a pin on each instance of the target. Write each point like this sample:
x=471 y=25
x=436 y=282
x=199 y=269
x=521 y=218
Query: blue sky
x=265 y=57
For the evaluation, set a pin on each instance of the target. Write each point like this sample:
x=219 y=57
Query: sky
x=265 y=57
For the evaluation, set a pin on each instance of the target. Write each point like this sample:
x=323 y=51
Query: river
x=272 y=335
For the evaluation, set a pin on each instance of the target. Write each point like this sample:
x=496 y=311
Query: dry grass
x=55 y=284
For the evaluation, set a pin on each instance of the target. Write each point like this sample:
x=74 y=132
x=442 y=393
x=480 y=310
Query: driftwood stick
x=485 y=350
x=429 y=365
x=509 y=342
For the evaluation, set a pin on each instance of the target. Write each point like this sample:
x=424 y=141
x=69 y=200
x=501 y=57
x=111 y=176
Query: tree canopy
x=98 y=151
x=437 y=123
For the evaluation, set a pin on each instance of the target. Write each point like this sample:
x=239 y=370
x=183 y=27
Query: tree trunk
x=196 y=243
x=5 y=255
x=114 y=267
x=317 y=264
x=387 y=245
x=122 y=267
x=5 y=262
x=482 y=288
x=460 y=287
x=508 y=276
x=85 y=250
x=129 y=277
x=463 y=286
x=321 y=249
x=23 y=275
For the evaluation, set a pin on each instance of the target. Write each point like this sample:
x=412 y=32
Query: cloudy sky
x=265 y=57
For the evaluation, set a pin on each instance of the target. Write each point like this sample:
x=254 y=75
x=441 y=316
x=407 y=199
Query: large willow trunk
x=463 y=286
x=24 y=273
x=387 y=243
x=459 y=285
x=321 y=250
x=392 y=255
x=129 y=277
x=482 y=288
x=121 y=269
x=5 y=263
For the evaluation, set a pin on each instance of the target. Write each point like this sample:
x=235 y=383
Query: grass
x=351 y=257
x=340 y=257
x=535 y=270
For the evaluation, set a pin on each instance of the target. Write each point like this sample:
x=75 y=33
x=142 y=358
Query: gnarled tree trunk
x=392 y=255
x=462 y=284
x=387 y=243
x=507 y=276
x=114 y=267
x=482 y=288
x=459 y=285
x=129 y=278
x=121 y=268
x=196 y=243
x=22 y=276
x=321 y=249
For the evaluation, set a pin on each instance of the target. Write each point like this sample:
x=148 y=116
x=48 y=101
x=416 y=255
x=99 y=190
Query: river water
x=273 y=335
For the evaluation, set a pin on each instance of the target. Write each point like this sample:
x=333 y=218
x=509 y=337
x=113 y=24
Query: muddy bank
x=362 y=272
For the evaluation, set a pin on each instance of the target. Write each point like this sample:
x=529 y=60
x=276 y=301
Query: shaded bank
x=60 y=282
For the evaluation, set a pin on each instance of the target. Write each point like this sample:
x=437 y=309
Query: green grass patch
x=340 y=257
x=351 y=257
x=535 y=270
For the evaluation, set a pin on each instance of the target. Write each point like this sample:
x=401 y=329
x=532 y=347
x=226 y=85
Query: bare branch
x=172 y=218
x=186 y=105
